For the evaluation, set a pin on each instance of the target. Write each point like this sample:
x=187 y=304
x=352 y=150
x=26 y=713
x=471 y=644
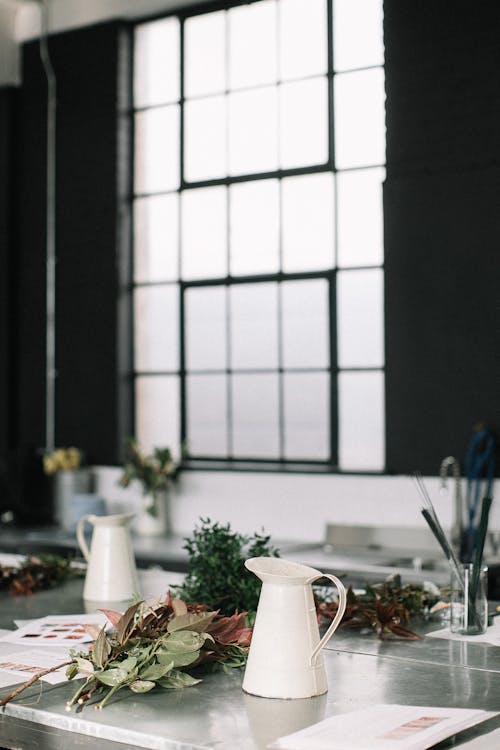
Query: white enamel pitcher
x=285 y=659
x=111 y=571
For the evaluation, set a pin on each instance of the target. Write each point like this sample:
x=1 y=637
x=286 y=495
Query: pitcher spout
x=277 y=570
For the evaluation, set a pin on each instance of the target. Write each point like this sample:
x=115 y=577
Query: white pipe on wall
x=10 y=69
x=50 y=236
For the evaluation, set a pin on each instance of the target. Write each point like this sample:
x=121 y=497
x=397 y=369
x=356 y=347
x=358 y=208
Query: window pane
x=156 y=322
x=304 y=123
x=254 y=325
x=156 y=238
x=258 y=354
x=360 y=310
x=255 y=416
x=205 y=139
x=358 y=37
x=207 y=415
x=303 y=38
x=158 y=413
x=204 y=233
x=307 y=410
x=206 y=318
x=156 y=63
x=254 y=227
x=157 y=149
x=305 y=323
x=205 y=54
x=252 y=44
x=361 y=421
x=359 y=118
x=307 y=215
x=253 y=141
x=360 y=217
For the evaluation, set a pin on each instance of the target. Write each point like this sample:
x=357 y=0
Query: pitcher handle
x=80 y=536
x=340 y=612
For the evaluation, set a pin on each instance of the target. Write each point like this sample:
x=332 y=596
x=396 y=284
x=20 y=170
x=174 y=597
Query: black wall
x=7 y=126
x=442 y=231
x=91 y=179
x=442 y=227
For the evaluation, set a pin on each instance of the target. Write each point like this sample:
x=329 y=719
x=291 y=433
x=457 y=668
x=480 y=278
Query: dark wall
x=91 y=151
x=442 y=227
x=7 y=126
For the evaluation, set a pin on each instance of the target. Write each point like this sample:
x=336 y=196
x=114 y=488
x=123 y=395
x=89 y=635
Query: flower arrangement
x=154 y=472
x=62 y=459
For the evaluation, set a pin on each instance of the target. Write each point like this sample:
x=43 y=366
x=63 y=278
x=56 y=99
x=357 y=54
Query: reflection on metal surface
x=273 y=718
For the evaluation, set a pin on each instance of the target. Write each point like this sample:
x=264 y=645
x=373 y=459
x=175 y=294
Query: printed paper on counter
x=382 y=727
x=22 y=665
x=57 y=630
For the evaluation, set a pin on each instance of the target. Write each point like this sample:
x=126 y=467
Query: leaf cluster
x=217 y=575
x=384 y=607
x=154 y=472
x=411 y=600
x=36 y=572
x=157 y=647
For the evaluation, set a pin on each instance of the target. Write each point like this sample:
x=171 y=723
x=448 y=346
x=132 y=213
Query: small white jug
x=111 y=571
x=285 y=659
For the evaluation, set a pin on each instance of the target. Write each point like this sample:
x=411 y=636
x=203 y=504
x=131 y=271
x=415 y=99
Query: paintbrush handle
x=480 y=540
x=440 y=537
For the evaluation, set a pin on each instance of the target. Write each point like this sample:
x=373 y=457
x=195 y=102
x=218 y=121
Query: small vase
x=157 y=524
x=66 y=484
x=469 y=601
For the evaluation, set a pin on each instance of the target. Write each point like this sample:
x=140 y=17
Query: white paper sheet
x=11 y=560
x=492 y=635
x=21 y=665
x=381 y=727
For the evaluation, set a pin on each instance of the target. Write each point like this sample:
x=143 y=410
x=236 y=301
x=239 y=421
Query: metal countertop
x=216 y=714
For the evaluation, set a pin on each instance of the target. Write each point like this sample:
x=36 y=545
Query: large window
x=258 y=233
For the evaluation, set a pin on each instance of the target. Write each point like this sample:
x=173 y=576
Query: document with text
x=384 y=727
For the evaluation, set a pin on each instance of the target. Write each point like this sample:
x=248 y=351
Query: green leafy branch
x=216 y=574
x=153 y=647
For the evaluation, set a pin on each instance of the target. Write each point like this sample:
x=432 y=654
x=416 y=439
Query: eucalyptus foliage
x=163 y=646
x=156 y=648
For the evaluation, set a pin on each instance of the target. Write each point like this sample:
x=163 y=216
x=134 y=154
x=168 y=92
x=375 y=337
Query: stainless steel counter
x=216 y=714
x=357 y=565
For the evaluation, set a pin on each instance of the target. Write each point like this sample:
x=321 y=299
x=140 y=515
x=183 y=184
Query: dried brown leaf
x=113 y=617
x=126 y=623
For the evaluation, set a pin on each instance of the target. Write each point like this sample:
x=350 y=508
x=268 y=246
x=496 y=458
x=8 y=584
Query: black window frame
x=329 y=274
